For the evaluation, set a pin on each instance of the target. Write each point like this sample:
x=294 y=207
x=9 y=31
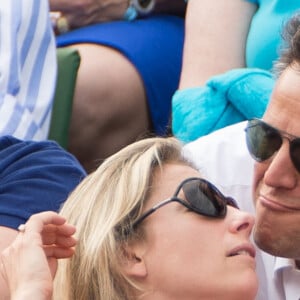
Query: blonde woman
x=149 y=227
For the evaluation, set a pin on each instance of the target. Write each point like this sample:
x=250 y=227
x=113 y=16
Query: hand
x=29 y=264
x=85 y=12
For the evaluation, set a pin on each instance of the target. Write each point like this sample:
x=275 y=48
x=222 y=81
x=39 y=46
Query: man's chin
x=264 y=245
x=275 y=245
x=265 y=239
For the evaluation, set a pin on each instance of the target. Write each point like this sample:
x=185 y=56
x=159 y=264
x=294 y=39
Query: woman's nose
x=240 y=221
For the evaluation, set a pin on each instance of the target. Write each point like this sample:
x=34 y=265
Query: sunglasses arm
x=151 y=211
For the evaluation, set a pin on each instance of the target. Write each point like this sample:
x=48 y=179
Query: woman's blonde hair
x=102 y=208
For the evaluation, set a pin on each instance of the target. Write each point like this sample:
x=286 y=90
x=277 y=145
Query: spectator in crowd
x=149 y=226
x=28 y=69
x=131 y=54
x=225 y=74
x=273 y=142
x=35 y=176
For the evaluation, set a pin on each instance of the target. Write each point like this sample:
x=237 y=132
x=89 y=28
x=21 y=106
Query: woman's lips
x=244 y=249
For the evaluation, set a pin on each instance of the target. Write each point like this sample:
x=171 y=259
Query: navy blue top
x=34 y=177
x=153 y=45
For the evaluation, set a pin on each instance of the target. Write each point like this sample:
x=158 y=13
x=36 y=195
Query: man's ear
x=133 y=263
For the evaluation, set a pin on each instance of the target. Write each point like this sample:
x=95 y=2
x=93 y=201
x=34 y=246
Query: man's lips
x=277 y=206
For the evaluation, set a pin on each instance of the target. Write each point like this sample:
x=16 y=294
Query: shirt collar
x=283 y=263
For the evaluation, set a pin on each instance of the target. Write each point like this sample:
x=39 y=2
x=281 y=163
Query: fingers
x=38 y=221
x=49 y=224
x=59 y=229
x=58 y=240
x=58 y=252
x=76 y=14
x=44 y=218
x=59 y=234
x=31 y=259
x=49 y=230
x=60 y=5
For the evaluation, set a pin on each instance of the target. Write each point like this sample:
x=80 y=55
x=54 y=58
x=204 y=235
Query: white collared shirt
x=222 y=157
x=286 y=272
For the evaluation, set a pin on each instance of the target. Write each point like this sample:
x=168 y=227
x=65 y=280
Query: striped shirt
x=27 y=68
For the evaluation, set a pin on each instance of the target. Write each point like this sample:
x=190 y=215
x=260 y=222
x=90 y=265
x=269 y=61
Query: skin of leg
x=110 y=107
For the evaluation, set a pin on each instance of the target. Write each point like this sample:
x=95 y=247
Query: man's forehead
x=290 y=74
x=283 y=111
x=287 y=88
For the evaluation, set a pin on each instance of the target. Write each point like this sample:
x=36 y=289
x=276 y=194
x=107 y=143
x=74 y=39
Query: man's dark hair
x=290 y=52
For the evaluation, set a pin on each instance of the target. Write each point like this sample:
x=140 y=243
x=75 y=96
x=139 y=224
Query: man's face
x=276 y=181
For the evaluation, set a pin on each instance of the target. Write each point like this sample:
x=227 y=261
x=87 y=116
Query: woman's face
x=189 y=256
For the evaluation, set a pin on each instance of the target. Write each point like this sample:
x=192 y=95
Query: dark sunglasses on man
x=263 y=141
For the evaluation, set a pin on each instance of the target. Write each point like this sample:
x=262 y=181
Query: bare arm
x=84 y=12
x=215 y=38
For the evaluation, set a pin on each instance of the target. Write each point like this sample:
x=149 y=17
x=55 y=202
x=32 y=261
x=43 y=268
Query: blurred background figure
x=229 y=49
x=131 y=53
x=28 y=68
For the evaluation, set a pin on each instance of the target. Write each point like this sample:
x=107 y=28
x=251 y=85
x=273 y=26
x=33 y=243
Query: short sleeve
x=34 y=177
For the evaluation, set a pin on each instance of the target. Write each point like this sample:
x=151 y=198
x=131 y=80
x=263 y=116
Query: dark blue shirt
x=34 y=177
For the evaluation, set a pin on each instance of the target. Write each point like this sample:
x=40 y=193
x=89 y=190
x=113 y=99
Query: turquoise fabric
x=264 y=38
x=199 y=111
x=226 y=99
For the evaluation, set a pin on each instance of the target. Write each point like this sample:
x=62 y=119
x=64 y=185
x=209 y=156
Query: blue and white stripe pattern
x=27 y=68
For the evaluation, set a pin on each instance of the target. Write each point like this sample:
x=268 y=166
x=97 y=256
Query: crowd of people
x=126 y=219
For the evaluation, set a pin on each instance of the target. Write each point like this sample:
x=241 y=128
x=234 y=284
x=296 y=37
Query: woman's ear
x=133 y=261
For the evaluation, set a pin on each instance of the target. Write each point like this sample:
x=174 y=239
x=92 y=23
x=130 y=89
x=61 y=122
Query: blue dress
x=154 y=46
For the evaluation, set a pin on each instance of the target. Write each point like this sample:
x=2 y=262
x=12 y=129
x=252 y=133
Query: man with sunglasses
x=274 y=181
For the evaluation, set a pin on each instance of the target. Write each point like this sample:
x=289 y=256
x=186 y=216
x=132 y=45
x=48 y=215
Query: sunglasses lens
x=262 y=140
x=204 y=198
x=295 y=153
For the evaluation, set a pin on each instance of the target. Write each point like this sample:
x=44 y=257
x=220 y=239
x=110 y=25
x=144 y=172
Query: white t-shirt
x=222 y=157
